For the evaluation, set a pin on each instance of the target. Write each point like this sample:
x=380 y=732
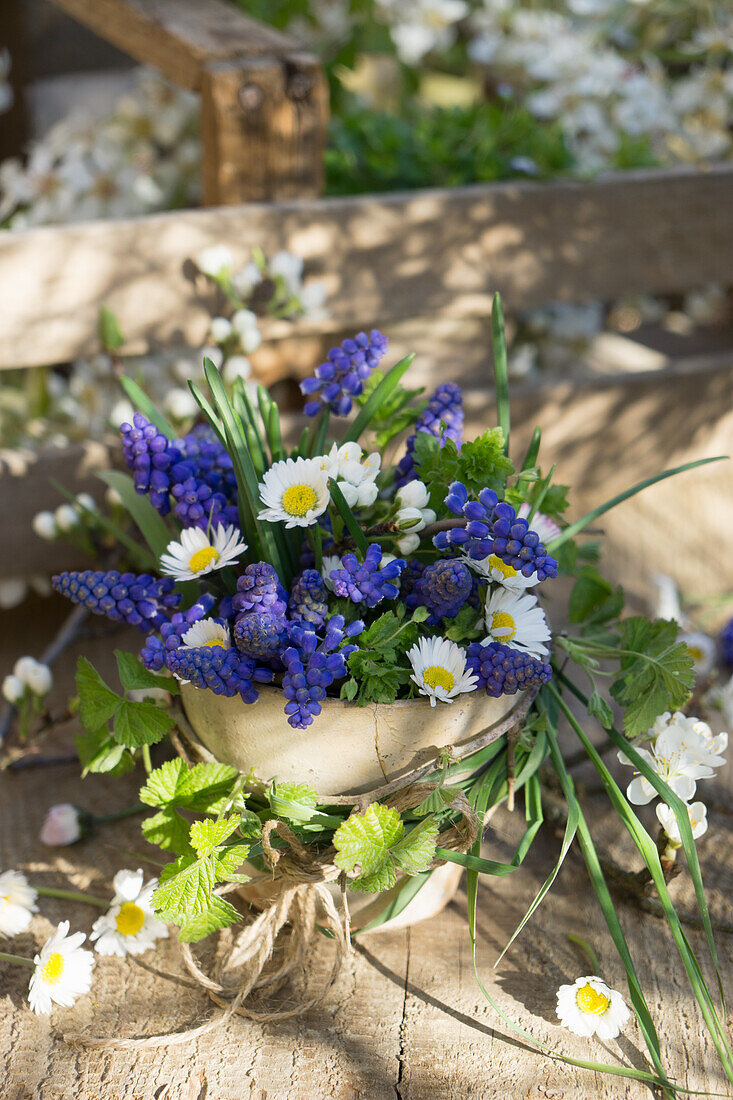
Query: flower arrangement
x=381 y=561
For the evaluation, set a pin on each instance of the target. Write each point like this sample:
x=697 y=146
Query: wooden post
x=264 y=101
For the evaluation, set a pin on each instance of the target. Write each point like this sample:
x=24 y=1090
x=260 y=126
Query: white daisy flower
x=516 y=620
x=440 y=669
x=200 y=552
x=17 y=903
x=130 y=926
x=545 y=527
x=295 y=492
x=206 y=632
x=703 y=650
x=329 y=563
x=590 y=1007
x=697 y=813
x=63 y=971
x=494 y=569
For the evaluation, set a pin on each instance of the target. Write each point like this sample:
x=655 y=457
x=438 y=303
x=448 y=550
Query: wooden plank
x=383 y=258
x=179 y=37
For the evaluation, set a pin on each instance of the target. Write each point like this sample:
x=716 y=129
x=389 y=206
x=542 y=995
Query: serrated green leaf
x=349 y=689
x=134 y=676
x=293 y=801
x=465 y=627
x=97 y=702
x=438 y=801
x=139 y=724
x=185 y=887
x=168 y=830
x=588 y=593
x=220 y=914
x=227 y=860
x=383 y=877
x=203 y=787
x=483 y=462
x=206 y=836
x=364 y=839
x=656 y=673
x=416 y=851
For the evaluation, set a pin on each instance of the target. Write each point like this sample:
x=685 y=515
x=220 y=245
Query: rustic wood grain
x=383 y=259
x=406 y=1019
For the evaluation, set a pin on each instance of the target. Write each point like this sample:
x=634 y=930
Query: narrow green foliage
x=396 y=414
x=376 y=400
x=143 y=404
x=501 y=374
x=110 y=334
x=350 y=520
x=150 y=523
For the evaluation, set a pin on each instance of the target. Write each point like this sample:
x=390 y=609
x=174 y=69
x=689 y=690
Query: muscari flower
x=590 y=1007
x=493 y=527
x=504 y=671
x=260 y=634
x=137 y=599
x=259 y=589
x=443 y=418
x=224 y=671
x=516 y=620
x=130 y=926
x=295 y=492
x=149 y=455
x=154 y=653
x=199 y=552
x=312 y=666
x=203 y=482
x=697 y=813
x=440 y=670
x=341 y=378
x=17 y=903
x=726 y=643
x=443 y=587
x=369 y=581
x=309 y=598
x=63 y=971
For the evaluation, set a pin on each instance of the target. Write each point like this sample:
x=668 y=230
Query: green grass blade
x=319 y=435
x=574 y=528
x=540 y=495
x=208 y=411
x=648 y=851
x=533 y=451
x=348 y=517
x=411 y=888
x=501 y=374
x=143 y=404
x=142 y=557
x=150 y=523
x=375 y=399
x=683 y=824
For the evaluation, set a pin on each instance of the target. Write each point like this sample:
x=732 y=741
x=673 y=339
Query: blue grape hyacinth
x=156 y=648
x=443 y=588
x=726 y=643
x=136 y=599
x=149 y=455
x=259 y=589
x=225 y=671
x=368 y=582
x=493 y=527
x=341 y=378
x=504 y=671
x=260 y=634
x=313 y=665
x=442 y=418
x=309 y=598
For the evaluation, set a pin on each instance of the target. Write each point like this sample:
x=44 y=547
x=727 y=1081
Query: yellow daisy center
x=695 y=652
x=591 y=1002
x=53 y=969
x=202 y=558
x=502 y=567
x=130 y=919
x=503 y=621
x=214 y=641
x=435 y=676
x=299 y=499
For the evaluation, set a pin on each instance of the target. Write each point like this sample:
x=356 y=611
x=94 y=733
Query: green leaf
x=465 y=627
x=348 y=517
x=572 y=530
x=219 y=914
x=365 y=839
x=203 y=787
x=438 y=801
x=656 y=674
x=185 y=887
x=149 y=522
x=98 y=753
x=349 y=689
x=293 y=801
x=109 y=330
x=589 y=592
x=416 y=851
x=383 y=877
x=134 y=676
x=138 y=724
x=227 y=860
x=599 y=708
x=375 y=401
x=168 y=830
x=501 y=374
x=97 y=702
x=207 y=835
x=483 y=462
x=143 y=404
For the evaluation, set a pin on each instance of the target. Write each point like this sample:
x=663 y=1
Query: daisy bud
x=408 y=544
x=67 y=517
x=245 y=322
x=247 y=279
x=44 y=525
x=215 y=261
x=413 y=495
x=236 y=366
x=39 y=679
x=65 y=824
x=221 y=329
x=13 y=689
x=24 y=668
x=86 y=501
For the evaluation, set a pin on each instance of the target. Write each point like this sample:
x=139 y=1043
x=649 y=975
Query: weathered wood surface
x=406 y=1019
x=383 y=258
